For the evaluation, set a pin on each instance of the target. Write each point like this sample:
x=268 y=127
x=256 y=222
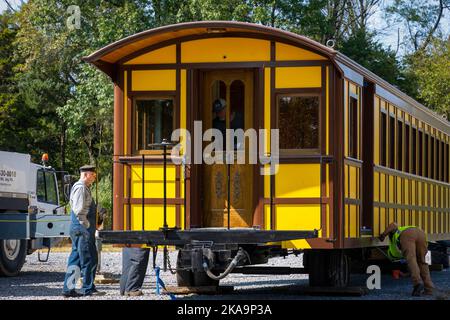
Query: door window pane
x=353 y=128
x=421 y=153
x=237 y=105
x=40 y=187
x=392 y=142
x=50 y=186
x=399 y=145
x=383 y=137
x=154 y=121
x=413 y=151
x=407 y=153
x=298 y=122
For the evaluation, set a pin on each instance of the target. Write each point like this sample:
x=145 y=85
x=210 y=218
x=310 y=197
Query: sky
x=388 y=33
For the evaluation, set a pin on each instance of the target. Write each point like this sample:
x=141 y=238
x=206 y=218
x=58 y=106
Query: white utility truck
x=31 y=216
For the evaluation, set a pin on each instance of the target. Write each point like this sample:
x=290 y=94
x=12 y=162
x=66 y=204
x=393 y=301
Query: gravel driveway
x=44 y=281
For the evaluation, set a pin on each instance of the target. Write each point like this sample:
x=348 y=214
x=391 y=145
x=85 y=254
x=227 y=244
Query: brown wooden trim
x=363 y=242
x=178 y=195
x=258 y=123
x=331 y=142
x=130 y=128
x=189 y=127
x=339 y=157
x=154 y=93
x=304 y=159
x=367 y=131
x=149 y=67
x=303 y=91
x=196 y=172
x=118 y=149
x=152 y=159
x=323 y=148
x=170 y=201
x=273 y=124
x=128 y=210
x=227 y=65
x=320 y=243
x=178 y=125
x=324 y=200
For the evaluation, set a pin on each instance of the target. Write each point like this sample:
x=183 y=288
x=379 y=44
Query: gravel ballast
x=44 y=280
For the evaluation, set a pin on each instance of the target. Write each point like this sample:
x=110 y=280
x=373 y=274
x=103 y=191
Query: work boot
x=418 y=289
x=136 y=293
x=71 y=294
x=436 y=293
x=95 y=293
x=428 y=292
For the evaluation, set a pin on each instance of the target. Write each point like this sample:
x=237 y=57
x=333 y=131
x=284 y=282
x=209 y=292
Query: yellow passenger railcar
x=355 y=153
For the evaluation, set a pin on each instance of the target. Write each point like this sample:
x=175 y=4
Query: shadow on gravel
x=31 y=291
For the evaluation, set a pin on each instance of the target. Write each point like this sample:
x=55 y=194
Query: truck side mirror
x=67 y=186
x=67 y=192
x=67 y=179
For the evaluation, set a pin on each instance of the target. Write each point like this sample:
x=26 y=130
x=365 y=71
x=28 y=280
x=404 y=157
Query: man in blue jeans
x=83 y=258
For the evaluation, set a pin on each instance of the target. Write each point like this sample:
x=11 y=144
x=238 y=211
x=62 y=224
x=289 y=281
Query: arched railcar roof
x=114 y=53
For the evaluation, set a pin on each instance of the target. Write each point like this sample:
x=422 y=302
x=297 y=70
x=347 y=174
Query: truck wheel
x=12 y=256
x=339 y=269
x=440 y=257
x=316 y=262
x=185 y=278
x=328 y=268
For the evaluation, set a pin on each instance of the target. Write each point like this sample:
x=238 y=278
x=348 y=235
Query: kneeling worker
x=411 y=244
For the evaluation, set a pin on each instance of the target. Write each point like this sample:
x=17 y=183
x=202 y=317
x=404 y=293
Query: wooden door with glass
x=227 y=192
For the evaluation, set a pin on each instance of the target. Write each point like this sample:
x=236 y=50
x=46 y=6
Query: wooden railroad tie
x=201 y=290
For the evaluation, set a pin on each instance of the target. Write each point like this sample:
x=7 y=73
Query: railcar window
x=447 y=169
x=426 y=172
x=353 y=128
x=400 y=145
x=432 y=159
x=298 y=122
x=154 y=121
x=421 y=154
x=407 y=157
x=383 y=137
x=413 y=151
x=392 y=143
x=442 y=175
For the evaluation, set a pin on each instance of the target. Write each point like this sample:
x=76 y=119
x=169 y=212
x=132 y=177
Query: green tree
x=362 y=48
x=431 y=69
x=54 y=78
